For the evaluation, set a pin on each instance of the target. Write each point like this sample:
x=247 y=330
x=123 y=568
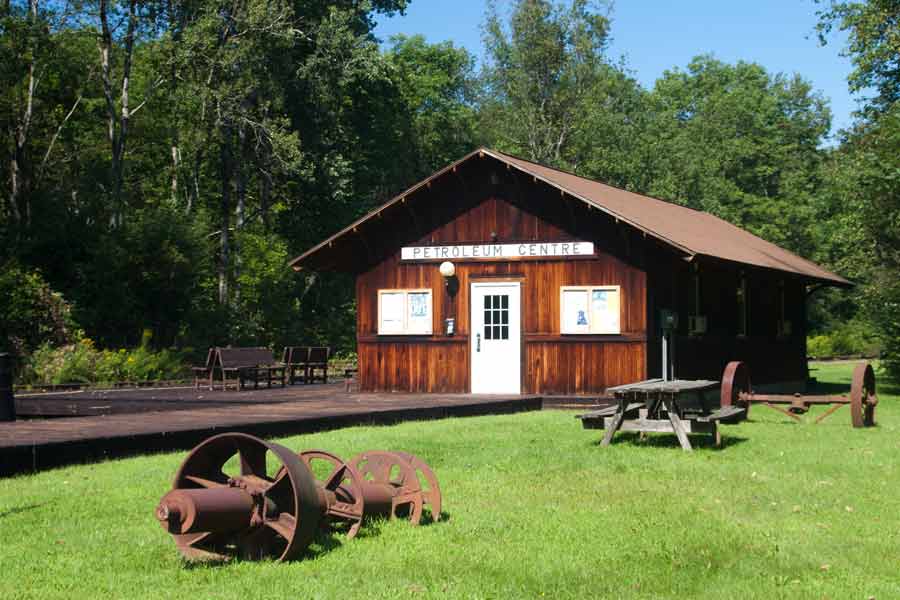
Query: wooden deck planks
x=32 y=445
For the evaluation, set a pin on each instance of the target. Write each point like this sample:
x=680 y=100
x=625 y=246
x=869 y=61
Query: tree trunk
x=117 y=123
x=225 y=215
x=265 y=194
x=17 y=168
x=175 y=27
x=240 y=209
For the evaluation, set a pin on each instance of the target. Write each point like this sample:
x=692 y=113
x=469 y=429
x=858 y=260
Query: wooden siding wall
x=511 y=212
x=771 y=357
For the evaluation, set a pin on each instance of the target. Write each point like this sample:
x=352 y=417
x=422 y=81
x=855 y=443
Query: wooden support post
x=617 y=422
x=7 y=397
x=678 y=426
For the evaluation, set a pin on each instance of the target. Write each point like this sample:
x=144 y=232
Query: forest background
x=164 y=159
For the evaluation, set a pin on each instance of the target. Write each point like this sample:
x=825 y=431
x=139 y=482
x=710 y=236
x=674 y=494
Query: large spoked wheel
x=392 y=485
x=224 y=503
x=735 y=380
x=344 y=482
x=862 y=396
x=431 y=492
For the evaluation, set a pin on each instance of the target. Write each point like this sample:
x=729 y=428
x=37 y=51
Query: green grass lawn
x=534 y=508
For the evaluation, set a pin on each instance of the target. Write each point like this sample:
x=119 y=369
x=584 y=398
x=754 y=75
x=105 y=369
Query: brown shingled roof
x=693 y=232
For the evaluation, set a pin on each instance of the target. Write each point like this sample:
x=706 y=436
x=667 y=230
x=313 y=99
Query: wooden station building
x=499 y=275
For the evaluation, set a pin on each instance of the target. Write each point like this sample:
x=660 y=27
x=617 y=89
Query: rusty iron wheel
x=220 y=507
x=862 y=396
x=735 y=380
x=345 y=483
x=391 y=486
x=432 y=492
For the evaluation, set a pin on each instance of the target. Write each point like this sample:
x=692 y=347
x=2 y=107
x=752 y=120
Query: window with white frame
x=589 y=309
x=404 y=312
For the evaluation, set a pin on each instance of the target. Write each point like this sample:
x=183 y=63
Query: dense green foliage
x=82 y=362
x=166 y=159
x=863 y=210
x=32 y=312
x=533 y=508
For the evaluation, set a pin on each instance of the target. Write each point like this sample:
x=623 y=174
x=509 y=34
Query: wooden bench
x=204 y=373
x=245 y=364
x=318 y=360
x=296 y=358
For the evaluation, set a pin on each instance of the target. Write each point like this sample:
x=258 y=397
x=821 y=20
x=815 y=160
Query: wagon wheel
x=282 y=512
x=432 y=495
x=383 y=468
x=862 y=396
x=735 y=380
x=345 y=483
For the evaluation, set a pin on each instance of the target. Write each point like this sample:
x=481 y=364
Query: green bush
x=83 y=363
x=853 y=338
x=32 y=312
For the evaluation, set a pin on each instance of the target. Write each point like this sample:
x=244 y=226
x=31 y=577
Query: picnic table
x=678 y=406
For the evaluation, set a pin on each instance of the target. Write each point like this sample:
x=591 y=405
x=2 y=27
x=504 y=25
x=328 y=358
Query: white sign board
x=498 y=251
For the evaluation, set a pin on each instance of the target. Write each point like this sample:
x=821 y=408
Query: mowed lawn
x=534 y=508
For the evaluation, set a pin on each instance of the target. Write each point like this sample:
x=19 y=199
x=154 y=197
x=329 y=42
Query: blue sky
x=655 y=35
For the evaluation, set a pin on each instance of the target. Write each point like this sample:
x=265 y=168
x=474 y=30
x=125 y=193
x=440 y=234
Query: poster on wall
x=605 y=310
x=391 y=312
x=419 y=312
x=575 y=311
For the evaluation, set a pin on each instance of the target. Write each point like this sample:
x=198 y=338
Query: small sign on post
x=7 y=401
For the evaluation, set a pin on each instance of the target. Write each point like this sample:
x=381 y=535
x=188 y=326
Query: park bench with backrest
x=296 y=359
x=318 y=361
x=204 y=373
x=302 y=363
x=241 y=365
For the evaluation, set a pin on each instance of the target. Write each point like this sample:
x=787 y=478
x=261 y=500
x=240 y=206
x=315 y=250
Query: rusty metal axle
x=861 y=399
x=270 y=511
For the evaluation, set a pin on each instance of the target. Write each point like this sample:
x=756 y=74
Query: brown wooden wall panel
x=422 y=367
x=397 y=364
x=581 y=368
x=771 y=357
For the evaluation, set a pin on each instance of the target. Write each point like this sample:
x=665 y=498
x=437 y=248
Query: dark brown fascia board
x=809 y=279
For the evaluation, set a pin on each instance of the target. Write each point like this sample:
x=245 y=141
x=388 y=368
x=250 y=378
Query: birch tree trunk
x=225 y=215
x=240 y=209
x=117 y=120
x=18 y=168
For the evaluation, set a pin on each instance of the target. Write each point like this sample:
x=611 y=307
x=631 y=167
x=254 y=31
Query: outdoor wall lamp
x=448 y=270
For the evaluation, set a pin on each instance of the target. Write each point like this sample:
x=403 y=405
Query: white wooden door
x=496 y=340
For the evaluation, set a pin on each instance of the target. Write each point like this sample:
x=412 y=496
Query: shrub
x=853 y=338
x=33 y=314
x=83 y=363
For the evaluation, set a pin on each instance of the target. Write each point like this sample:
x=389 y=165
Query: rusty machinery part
x=862 y=396
x=431 y=493
x=223 y=502
x=340 y=491
x=391 y=485
x=736 y=386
